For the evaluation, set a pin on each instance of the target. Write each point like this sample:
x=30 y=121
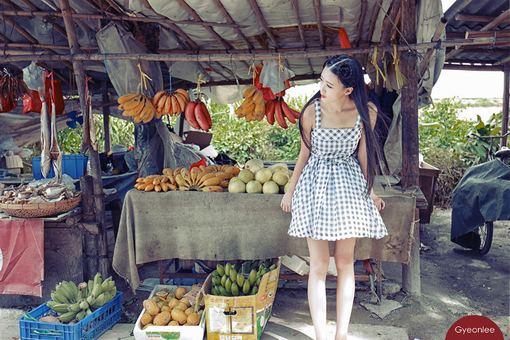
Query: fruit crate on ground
x=90 y=328
x=241 y=317
x=72 y=165
x=169 y=332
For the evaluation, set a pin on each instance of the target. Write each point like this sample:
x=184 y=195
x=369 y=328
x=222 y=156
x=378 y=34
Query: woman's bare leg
x=319 y=262
x=344 y=260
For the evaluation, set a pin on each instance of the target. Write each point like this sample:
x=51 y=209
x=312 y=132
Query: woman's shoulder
x=308 y=116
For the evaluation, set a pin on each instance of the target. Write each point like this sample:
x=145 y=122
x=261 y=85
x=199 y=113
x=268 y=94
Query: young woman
x=330 y=194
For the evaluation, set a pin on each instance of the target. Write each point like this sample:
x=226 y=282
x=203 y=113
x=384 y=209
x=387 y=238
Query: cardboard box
x=240 y=317
x=169 y=332
x=202 y=139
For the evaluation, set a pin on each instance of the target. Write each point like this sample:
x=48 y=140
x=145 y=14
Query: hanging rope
x=254 y=74
x=143 y=79
x=377 y=68
x=199 y=82
x=398 y=74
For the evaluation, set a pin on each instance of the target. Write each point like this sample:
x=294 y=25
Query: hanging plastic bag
x=33 y=76
x=274 y=75
x=266 y=91
x=32 y=104
x=56 y=90
x=7 y=103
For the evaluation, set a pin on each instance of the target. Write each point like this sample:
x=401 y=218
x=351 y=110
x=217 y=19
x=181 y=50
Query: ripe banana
x=250 y=91
x=131 y=103
x=125 y=98
x=279 y=115
x=158 y=96
x=167 y=109
x=287 y=113
x=189 y=114
x=184 y=93
x=270 y=111
x=200 y=117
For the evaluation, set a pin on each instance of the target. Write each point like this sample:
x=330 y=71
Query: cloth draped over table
x=21 y=256
x=226 y=227
x=483 y=194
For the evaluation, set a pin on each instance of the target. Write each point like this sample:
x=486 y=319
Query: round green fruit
x=263 y=175
x=280 y=177
x=236 y=186
x=270 y=187
x=246 y=175
x=253 y=187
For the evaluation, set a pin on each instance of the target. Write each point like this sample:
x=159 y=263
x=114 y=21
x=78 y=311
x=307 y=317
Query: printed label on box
x=242 y=320
x=217 y=320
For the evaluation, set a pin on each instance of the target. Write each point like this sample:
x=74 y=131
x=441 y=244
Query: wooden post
x=106 y=117
x=87 y=203
x=506 y=94
x=410 y=168
x=95 y=165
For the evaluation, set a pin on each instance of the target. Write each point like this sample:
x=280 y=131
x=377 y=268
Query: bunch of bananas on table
x=239 y=279
x=167 y=103
x=253 y=106
x=76 y=302
x=137 y=106
x=278 y=109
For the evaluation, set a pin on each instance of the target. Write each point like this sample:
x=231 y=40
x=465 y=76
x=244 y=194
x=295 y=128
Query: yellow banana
x=151 y=110
x=184 y=93
x=250 y=91
x=176 y=108
x=125 y=98
x=181 y=100
x=132 y=103
x=193 y=174
x=158 y=96
x=213 y=188
x=211 y=181
x=259 y=110
x=161 y=103
x=167 y=110
x=258 y=96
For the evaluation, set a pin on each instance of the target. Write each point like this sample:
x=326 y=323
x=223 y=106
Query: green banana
x=88 y=312
x=246 y=287
x=254 y=264
x=237 y=266
x=214 y=291
x=98 y=289
x=75 y=307
x=112 y=284
x=246 y=267
x=98 y=279
x=66 y=317
x=80 y=315
x=252 y=277
x=84 y=305
x=228 y=285
x=227 y=269
x=90 y=287
x=235 y=289
x=233 y=275
x=254 y=290
x=267 y=263
x=107 y=297
x=51 y=303
x=61 y=307
x=224 y=292
x=59 y=297
x=223 y=280
x=273 y=267
x=67 y=291
x=100 y=301
x=105 y=286
x=258 y=281
x=220 y=269
x=113 y=292
x=91 y=299
x=240 y=279
x=74 y=290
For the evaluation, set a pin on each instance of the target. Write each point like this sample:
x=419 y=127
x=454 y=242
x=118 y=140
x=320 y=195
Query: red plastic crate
x=90 y=328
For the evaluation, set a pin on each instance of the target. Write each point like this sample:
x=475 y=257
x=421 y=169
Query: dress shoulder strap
x=317 y=113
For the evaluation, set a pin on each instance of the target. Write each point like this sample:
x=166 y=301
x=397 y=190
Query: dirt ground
x=455 y=282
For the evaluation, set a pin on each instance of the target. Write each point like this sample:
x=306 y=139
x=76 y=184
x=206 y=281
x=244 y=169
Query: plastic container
x=72 y=165
x=90 y=328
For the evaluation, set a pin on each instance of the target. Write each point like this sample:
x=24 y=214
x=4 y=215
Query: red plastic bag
x=58 y=97
x=344 y=39
x=198 y=164
x=266 y=91
x=7 y=104
x=32 y=104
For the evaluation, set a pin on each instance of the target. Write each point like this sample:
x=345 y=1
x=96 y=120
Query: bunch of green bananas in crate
x=240 y=278
x=76 y=302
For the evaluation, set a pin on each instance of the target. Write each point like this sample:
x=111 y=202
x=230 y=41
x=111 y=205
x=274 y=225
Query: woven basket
x=40 y=209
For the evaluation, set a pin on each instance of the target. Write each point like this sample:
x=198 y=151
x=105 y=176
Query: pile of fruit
x=197 y=115
x=278 y=109
x=213 y=178
x=72 y=303
x=167 y=308
x=255 y=178
x=239 y=279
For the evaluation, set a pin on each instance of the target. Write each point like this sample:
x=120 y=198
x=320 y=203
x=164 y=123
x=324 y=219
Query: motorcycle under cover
x=483 y=194
x=21 y=256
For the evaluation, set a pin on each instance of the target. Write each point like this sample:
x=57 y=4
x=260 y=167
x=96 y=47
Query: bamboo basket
x=40 y=209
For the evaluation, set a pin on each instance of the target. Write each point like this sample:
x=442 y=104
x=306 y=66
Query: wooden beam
x=361 y=21
x=506 y=103
x=474 y=18
x=375 y=14
x=227 y=16
x=318 y=16
x=295 y=7
x=194 y=14
x=410 y=151
x=44 y=46
x=102 y=246
x=235 y=55
x=263 y=23
x=389 y=21
x=470 y=67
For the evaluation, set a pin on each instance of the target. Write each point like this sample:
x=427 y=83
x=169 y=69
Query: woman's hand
x=286 y=202
x=379 y=203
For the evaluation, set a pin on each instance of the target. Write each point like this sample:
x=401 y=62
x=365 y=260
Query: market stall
x=227 y=226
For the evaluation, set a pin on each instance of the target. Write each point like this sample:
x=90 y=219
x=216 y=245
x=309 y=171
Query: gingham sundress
x=329 y=202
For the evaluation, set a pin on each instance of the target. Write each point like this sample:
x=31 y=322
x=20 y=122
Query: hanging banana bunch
x=173 y=103
x=277 y=109
x=254 y=106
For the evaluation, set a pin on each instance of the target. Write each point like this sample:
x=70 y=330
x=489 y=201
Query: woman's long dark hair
x=349 y=72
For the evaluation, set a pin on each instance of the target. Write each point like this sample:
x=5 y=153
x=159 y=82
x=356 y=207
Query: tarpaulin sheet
x=483 y=194
x=21 y=256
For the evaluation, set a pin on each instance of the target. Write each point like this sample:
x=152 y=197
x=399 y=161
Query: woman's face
x=331 y=87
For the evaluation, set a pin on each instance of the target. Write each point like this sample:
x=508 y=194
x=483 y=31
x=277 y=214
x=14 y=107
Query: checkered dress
x=329 y=202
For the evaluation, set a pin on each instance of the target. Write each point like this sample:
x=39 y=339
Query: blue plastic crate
x=90 y=328
x=72 y=165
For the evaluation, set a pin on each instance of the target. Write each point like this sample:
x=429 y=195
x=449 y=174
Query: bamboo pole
x=102 y=246
x=239 y=55
x=411 y=282
x=506 y=94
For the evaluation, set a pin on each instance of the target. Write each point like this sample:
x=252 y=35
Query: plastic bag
x=55 y=94
x=7 y=104
x=33 y=76
x=275 y=78
x=32 y=104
